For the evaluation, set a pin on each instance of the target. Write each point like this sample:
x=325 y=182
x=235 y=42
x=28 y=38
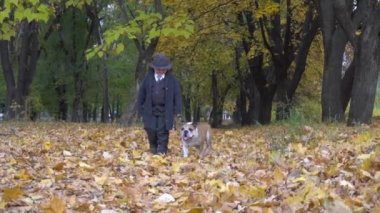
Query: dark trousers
x=158 y=137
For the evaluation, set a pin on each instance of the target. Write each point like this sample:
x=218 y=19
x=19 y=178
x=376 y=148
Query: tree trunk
x=289 y=87
x=62 y=102
x=106 y=104
x=217 y=107
x=187 y=107
x=28 y=55
x=334 y=41
x=367 y=63
x=332 y=107
x=85 y=112
x=197 y=112
x=93 y=13
x=266 y=100
x=75 y=116
x=9 y=79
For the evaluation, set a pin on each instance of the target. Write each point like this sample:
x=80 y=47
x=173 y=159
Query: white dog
x=198 y=135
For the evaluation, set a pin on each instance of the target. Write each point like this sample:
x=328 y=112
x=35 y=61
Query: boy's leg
x=162 y=136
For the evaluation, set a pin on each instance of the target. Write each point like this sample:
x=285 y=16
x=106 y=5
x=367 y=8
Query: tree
x=97 y=31
x=276 y=42
x=143 y=23
x=353 y=22
x=19 y=25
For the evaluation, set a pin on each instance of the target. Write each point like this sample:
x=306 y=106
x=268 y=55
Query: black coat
x=173 y=102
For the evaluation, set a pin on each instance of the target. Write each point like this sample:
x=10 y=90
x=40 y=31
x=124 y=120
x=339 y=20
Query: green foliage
x=13 y=12
x=56 y=68
x=266 y=8
x=77 y=3
x=145 y=27
x=376 y=111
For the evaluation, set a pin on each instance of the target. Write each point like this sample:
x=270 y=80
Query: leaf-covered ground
x=59 y=167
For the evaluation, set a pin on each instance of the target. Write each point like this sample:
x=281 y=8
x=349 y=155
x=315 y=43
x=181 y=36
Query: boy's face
x=160 y=71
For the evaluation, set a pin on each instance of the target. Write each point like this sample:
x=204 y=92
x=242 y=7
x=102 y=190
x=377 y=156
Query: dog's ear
x=194 y=124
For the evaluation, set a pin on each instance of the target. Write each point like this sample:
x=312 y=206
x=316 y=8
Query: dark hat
x=160 y=61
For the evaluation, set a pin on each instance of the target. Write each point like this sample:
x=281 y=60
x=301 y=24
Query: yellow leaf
x=299 y=179
x=56 y=205
x=10 y=194
x=218 y=184
x=2 y=205
x=136 y=154
x=377 y=176
x=101 y=180
x=362 y=138
x=85 y=165
x=295 y=202
x=367 y=164
x=47 y=145
x=232 y=186
x=252 y=191
x=299 y=148
x=196 y=210
x=229 y=133
x=46 y=183
x=364 y=156
x=278 y=176
x=158 y=161
x=176 y=167
x=24 y=175
x=12 y=162
x=59 y=166
x=366 y=174
x=332 y=171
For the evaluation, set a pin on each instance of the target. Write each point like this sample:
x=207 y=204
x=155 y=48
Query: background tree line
x=83 y=60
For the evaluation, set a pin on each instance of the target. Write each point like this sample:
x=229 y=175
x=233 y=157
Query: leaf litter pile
x=59 y=167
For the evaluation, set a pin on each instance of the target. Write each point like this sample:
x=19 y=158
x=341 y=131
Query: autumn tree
x=205 y=61
x=20 y=50
x=356 y=23
x=142 y=23
x=287 y=40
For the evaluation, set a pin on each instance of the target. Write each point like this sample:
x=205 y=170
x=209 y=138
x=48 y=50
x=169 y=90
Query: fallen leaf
x=2 y=205
x=10 y=194
x=56 y=205
x=101 y=180
x=47 y=145
x=59 y=166
x=67 y=153
x=196 y=210
x=165 y=198
x=278 y=176
x=346 y=184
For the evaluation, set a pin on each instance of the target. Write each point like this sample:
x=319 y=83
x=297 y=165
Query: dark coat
x=173 y=102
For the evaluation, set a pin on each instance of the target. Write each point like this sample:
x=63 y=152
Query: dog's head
x=189 y=131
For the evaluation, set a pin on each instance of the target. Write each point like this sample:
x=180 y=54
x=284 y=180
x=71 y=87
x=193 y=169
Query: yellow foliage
x=241 y=172
x=55 y=205
x=10 y=194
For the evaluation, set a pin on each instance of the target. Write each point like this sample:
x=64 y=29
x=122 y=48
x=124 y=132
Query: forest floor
x=67 y=167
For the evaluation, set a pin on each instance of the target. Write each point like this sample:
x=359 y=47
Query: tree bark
x=338 y=28
x=367 y=63
x=187 y=107
x=334 y=40
x=93 y=13
x=17 y=92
